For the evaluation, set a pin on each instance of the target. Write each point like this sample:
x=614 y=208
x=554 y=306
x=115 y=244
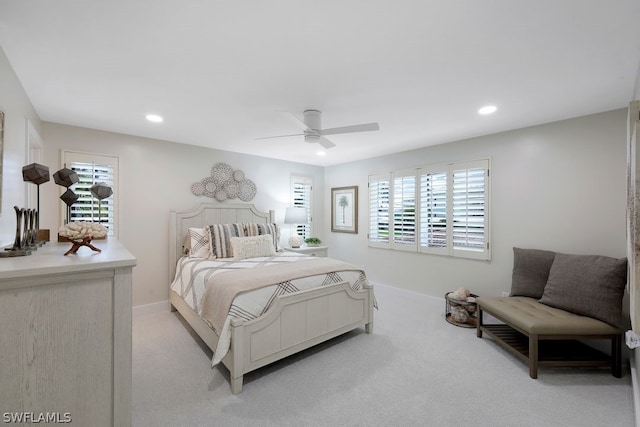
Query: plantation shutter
x=301 y=189
x=404 y=210
x=93 y=169
x=434 y=235
x=470 y=209
x=379 y=193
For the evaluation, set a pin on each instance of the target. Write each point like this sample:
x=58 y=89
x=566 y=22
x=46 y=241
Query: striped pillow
x=220 y=239
x=253 y=229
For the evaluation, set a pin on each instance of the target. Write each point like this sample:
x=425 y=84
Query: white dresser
x=65 y=340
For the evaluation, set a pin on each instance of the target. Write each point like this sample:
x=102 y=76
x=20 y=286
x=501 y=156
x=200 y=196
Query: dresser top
x=50 y=259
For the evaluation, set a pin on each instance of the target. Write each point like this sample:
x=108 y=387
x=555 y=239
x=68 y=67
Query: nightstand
x=310 y=250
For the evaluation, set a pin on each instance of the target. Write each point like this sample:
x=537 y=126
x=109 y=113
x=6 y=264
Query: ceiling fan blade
x=326 y=143
x=295 y=120
x=349 y=129
x=280 y=136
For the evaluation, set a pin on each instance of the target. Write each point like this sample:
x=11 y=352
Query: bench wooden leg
x=479 y=323
x=616 y=356
x=533 y=356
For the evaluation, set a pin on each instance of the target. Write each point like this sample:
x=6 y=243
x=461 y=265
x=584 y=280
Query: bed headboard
x=206 y=214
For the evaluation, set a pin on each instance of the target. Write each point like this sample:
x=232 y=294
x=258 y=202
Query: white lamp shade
x=296 y=216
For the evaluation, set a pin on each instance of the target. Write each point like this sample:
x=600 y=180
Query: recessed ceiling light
x=154 y=118
x=488 y=109
x=321 y=153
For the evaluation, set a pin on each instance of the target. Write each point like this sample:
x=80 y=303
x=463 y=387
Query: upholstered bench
x=557 y=301
x=527 y=323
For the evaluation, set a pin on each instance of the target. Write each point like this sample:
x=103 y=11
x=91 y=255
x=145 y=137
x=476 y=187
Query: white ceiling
x=220 y=71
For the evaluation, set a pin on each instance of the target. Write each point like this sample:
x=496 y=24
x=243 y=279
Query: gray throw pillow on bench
x=530 y=272
x=588 y=285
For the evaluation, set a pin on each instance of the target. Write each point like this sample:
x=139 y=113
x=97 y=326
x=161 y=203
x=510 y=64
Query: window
x=379 y=192
x=93 y=169
x=301 y=192
x=433 y=211
x=438 y=209
x=404 y=210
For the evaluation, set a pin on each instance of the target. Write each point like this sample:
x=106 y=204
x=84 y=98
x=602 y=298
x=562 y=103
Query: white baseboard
x=635 y=387
x=156 y=307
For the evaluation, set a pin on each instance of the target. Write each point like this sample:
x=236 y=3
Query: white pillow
x=199 y=243
x=252 y=247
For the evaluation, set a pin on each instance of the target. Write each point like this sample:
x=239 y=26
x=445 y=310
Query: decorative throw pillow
x=220 y=239
x=252 y=247
x=198 y=243
x=530 y=272
x=272 y=229
x=588 y=285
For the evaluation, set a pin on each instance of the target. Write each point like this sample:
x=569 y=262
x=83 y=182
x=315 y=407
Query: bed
x=293 y=321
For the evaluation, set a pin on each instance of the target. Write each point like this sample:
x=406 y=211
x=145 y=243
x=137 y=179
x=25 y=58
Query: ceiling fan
x=313 y=132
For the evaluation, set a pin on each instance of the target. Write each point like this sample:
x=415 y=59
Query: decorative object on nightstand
x=461 y=309
x=313 y=241
x=294 y=216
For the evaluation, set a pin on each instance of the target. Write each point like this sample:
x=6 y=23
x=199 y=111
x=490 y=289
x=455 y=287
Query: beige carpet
x=414 y=370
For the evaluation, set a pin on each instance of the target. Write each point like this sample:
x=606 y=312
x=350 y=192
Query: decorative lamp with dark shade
x=38 y=174
x=295 y=215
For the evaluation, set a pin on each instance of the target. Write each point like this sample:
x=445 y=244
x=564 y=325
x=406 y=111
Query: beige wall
x=559 y=186
x=18 y=109
x=155 y=177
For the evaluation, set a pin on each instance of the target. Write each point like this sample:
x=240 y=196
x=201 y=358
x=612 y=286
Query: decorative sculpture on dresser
x=20 y=244
x=66 y=178
x=38 y=174
x=81 y=233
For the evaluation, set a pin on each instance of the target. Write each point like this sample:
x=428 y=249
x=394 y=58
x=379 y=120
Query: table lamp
x=295 y=215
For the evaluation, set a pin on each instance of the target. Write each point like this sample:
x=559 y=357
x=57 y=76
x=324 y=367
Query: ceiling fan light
x=312 y=138
x=487 y=109
x=154 y=118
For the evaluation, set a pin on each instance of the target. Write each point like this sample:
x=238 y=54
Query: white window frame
x=302 y=197
x=464 y=209
x=111 y=202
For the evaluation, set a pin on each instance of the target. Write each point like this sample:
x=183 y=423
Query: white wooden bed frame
x=295 y=321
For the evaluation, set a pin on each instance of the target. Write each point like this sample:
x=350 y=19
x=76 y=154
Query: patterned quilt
x=193 y=274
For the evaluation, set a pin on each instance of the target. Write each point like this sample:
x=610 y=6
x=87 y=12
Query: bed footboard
x=296 y=322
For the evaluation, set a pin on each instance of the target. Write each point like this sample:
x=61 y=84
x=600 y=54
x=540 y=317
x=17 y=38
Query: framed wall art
x=344 y=209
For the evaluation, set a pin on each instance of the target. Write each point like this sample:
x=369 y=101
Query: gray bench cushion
x=532 y=317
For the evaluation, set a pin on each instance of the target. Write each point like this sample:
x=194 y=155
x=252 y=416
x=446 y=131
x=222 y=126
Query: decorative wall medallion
x=225 y=184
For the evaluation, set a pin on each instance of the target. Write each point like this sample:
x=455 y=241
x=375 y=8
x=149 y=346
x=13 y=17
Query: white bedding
x=192 y=275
